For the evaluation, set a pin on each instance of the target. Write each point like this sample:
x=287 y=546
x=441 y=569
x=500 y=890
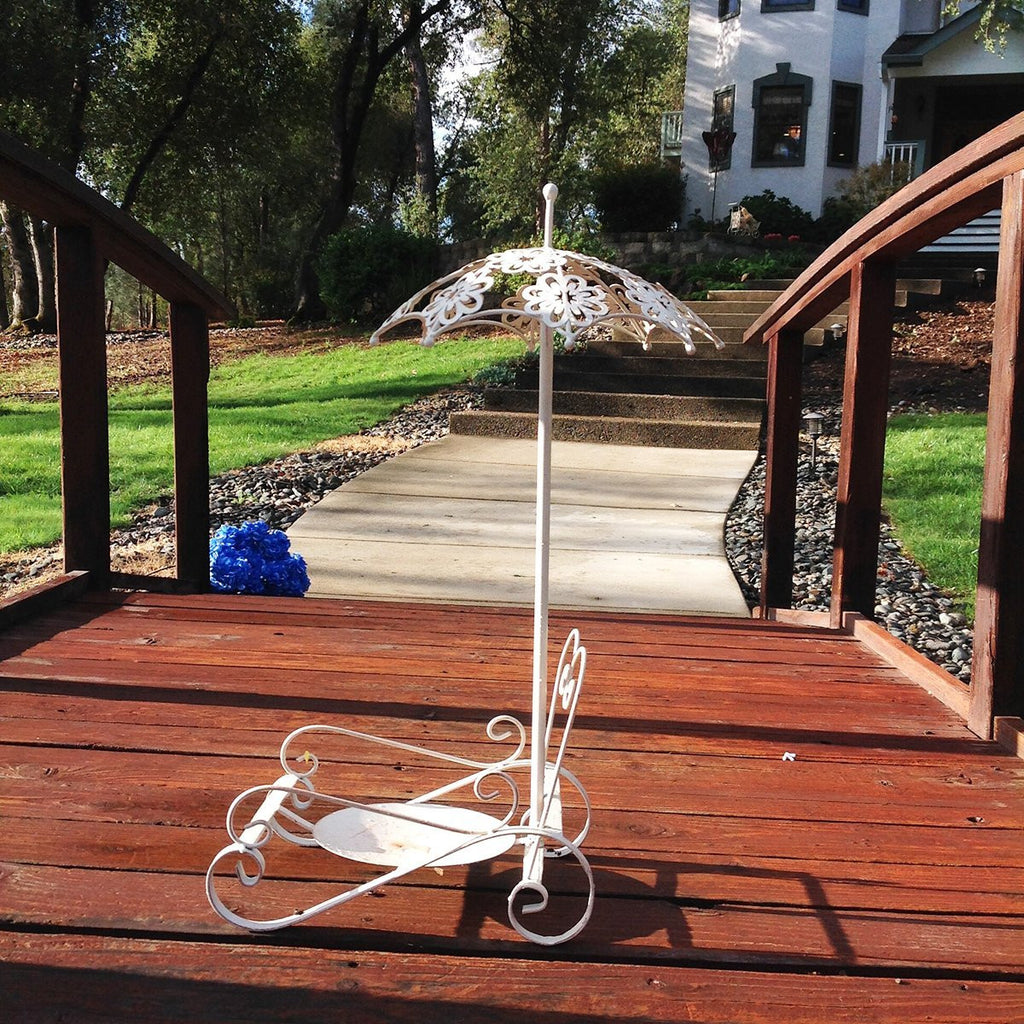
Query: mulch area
x=941 y=358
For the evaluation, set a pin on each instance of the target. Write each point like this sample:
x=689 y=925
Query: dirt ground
x=139 y=357
x=940 y=357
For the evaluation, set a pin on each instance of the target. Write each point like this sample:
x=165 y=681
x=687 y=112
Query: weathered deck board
x=170 y=981
x=878 y=877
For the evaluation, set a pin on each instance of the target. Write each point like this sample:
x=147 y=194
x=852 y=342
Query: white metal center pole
x=542 y=551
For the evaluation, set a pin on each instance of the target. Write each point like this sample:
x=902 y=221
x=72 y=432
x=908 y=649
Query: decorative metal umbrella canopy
x=568 y=293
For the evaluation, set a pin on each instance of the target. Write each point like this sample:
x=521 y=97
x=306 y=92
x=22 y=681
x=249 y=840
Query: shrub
x=366 y=272
x=711 y=275
x=646 y=197
x=859 y=195
x=779 y=215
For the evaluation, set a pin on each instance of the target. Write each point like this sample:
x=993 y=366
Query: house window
x=786 y=5
x=844 y=125
x=728 y=9
x=853 y=6
x=780 y=118
x=721 y=121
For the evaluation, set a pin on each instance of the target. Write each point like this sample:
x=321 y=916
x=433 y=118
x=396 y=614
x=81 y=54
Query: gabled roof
x=909 y=50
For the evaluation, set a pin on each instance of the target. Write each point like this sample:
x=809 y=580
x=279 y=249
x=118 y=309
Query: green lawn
x=260 y=407
x=932 y=491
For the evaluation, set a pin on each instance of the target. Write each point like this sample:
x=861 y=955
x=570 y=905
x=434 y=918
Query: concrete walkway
x=632 y=528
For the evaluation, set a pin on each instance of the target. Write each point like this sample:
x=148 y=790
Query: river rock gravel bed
x=907 y=604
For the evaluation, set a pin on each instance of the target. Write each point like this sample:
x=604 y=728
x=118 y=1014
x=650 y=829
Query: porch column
x=190 y=374
x=82 y=368
x=997 y=676
x=862 y=453
x=785 y=361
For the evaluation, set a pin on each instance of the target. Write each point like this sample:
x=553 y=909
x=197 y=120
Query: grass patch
x=932 y=492
x=261 y=407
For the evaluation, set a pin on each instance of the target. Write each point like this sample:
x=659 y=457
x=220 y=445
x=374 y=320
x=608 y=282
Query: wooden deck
x=876 y=877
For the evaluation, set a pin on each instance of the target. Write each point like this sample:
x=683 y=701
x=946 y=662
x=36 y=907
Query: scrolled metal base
x=424 y=832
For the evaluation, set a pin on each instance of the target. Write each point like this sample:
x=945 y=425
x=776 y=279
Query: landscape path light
x=813 y=424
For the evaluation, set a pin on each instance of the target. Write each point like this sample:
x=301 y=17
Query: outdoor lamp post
x=812 y=428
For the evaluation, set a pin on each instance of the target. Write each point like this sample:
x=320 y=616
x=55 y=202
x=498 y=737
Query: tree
x=997 y=18
x=575 y=89
x=423 y=131
x=364 y=38
x=49 y=66
x=118 y=90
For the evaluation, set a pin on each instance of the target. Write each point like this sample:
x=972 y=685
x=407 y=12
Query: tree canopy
x=248 y=134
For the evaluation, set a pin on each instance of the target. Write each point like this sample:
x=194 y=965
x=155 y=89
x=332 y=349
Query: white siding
x=824 y=44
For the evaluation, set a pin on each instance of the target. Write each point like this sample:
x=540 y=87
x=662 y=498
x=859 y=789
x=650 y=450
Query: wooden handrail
x=985 y=175
x=962 y=187
x=40 y=187
x=88 y=231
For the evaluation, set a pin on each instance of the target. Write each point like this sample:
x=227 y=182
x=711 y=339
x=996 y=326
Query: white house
x=815 y=88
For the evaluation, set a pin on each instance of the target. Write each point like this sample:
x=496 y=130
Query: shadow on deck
x=875 y=877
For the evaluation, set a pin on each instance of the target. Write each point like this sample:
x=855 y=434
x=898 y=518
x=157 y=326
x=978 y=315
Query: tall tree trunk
x=24 y=297
x=225 y=242
x=81 y=85
x=5 y=316
x=41 y=239
x=423 y=133
x=362 y=63
x=544 y=166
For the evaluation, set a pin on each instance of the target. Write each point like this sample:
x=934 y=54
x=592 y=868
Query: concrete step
x=771 y=284
x=747 y=386
x=765 y=295
x=733 y=338
x=717 y=319
x=734 y=349
x=655 y=364
x=654 y=407
x=707 y=309
x=921 y=285
x=612 y=430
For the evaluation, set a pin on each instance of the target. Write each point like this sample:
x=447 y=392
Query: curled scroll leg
x=538 y=889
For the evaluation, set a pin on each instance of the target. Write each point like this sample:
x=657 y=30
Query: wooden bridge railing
x=88 y=231
x=986 y=175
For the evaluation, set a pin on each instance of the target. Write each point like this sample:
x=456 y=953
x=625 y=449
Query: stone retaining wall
x=634 y=250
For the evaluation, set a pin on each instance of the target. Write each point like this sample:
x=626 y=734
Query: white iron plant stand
x=569 y=294
x=421 y=832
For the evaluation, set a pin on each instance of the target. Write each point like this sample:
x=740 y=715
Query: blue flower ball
x=254 y=559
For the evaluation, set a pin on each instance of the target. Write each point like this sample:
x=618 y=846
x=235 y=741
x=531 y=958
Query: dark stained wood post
x=997 y=676
x=85 y=444
x=190 y=374
x=785 y=366
x=862 y=453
